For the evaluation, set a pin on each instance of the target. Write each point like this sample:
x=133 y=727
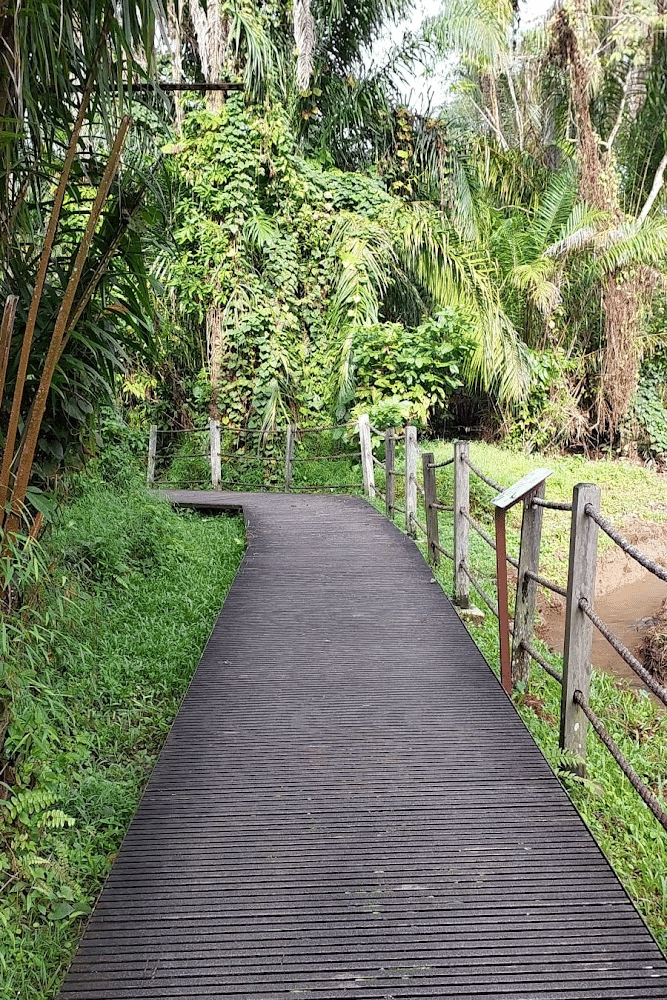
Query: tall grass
x=101 y=655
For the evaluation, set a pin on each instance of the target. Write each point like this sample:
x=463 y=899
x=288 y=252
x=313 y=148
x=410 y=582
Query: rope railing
x=421 y=527
x=420 y=488
x=442 y=506
x=487 y=537
x=628 y=547
x=326 y=458
x=476 y=526
x=377 y=463
x=534 y=655
x=550 y=504
x=436 y=545
x=635 y=780
x=649 y=680
x=490 y=603
x=543 y=582
x=478 y=472
x=441 y=465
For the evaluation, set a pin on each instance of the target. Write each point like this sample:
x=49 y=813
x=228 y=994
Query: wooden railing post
x=461 y=528
x=578 y=628
x=152 y=454
x=430 y=498
x=290 y=442
x=366 y=449
x=389 y=462
x=526 y=589
x=214 y=436
x=410 y=479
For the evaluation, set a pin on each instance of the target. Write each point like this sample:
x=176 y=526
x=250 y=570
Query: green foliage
x=546 y=417
x=100 y=657
x=413 y=372
x=650 y=405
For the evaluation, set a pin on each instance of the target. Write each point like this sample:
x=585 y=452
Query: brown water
x=623 y=611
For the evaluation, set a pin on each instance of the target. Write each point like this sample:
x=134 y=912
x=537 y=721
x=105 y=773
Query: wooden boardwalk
x=349 y=806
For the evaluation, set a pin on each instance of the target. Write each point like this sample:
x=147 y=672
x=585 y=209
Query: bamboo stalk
x=10 y=440
x=6 y=331
x=39 y=403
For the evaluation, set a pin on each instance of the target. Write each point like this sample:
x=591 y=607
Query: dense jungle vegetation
x=302 y=245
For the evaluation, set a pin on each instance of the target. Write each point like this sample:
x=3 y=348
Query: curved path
x=349 y=806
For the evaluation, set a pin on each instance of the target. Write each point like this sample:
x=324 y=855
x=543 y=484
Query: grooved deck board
x=348 y=804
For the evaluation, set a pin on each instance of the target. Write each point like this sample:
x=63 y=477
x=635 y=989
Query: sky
x=417 y=90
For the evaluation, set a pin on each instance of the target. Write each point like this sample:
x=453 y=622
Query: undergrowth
x=117 y=605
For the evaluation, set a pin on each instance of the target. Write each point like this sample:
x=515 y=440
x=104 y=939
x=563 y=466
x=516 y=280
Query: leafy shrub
x=410 y=373
x=650 y=409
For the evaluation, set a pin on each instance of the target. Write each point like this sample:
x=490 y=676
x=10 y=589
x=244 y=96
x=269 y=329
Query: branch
x=655 y=190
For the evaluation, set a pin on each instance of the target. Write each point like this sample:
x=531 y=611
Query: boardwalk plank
x=349 y=806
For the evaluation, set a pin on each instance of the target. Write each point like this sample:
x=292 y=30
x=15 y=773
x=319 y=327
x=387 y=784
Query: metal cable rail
x=556 y=674
x=637 y=783
x=649 y=680
x=628 y=548
x=551 y=504
x=483 y=477
x=543 y=582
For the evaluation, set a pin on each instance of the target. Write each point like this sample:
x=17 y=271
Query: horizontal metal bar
x=543 y=582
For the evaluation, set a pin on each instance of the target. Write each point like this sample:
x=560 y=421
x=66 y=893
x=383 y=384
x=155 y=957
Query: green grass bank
x=118 y=604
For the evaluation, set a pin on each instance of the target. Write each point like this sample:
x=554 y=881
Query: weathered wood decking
x=349 y=806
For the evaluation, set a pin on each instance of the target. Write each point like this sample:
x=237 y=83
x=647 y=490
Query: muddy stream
x=626 y=595
x=623 y=610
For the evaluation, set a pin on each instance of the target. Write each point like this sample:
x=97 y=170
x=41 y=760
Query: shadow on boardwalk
x=349 y=806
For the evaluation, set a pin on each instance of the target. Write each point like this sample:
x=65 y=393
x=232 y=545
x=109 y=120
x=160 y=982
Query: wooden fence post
x=578 y=628
x=152 y=454
x=430 y=498
x=410 y=479
x=290 y=443
x=461 y=527
x=214 y=436
x=366 y=449
x=389 y=462
x=526 y=589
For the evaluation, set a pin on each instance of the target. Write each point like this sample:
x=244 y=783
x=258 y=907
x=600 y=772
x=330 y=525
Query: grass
x=101 y=655
x=631 y=838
